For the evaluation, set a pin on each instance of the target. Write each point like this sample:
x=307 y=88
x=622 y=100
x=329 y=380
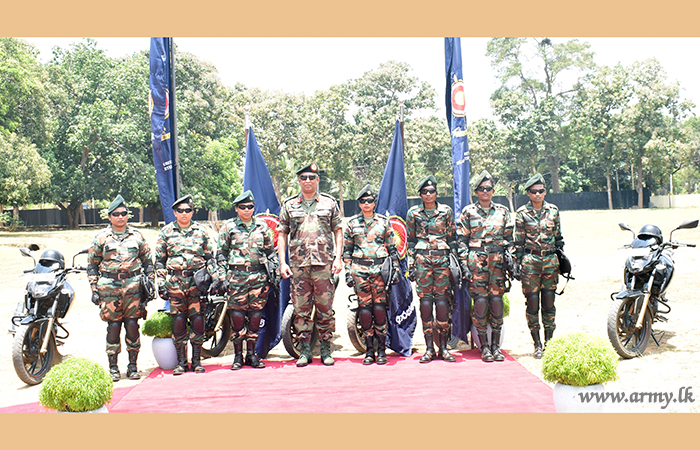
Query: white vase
x=165 y=353
x=567 y=398
x=101 y=409
x=477 y=342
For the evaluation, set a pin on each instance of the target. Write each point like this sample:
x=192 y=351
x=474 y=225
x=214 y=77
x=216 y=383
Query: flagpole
x=173 y=114
x=401 y=114
x=246 y=109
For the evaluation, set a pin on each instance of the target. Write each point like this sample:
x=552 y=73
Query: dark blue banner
x=162 y=124
x=455 y=103
x=392 y=201
x=256 y=177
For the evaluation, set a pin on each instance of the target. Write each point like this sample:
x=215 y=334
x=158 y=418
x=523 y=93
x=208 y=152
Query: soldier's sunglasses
x=427 y=191
x=307 y=177
x=484 y=189
x=537 y=191
x=366 y=200
x=184 y=210
x=245 y=206
x=120 y=213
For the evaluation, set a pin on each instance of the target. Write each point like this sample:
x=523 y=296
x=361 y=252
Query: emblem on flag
x=400 y=234
x=458 y=99
x=272 y=221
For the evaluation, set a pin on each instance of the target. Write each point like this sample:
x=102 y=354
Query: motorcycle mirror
x=624 y=226
x=25 y=251
x=690 y=223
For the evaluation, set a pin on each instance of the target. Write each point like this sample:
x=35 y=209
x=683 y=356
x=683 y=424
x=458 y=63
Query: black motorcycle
x=642 y=301
x=36 y=323
x=217 y=326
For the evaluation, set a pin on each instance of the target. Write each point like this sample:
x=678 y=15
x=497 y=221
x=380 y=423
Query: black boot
x=326 y=357
x=444 y=354
x=251 y=358
x=113 y=368
x=237 y=355
x=132 y=372
x=181 y=367
x=369 y=356
x=486 y=355
x=496 y=346
x=430 y=350
x=305 y=357
x=381 y=350
x=196 y=356
x=538 y=344
x=547 y=335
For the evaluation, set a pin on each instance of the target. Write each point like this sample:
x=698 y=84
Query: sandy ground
x=593 y=241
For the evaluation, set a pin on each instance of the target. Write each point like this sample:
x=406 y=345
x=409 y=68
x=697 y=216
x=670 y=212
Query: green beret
x=186 y=199
x=427 y=181
x=367 y=191
x=312 y=167
x=535 y=179
x=247 y=196
x=116 y=203
x=483 y=176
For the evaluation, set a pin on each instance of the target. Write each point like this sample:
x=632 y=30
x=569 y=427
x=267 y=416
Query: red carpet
x=403 y=385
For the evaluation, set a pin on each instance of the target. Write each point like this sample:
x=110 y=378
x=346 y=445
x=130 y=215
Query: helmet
x=650 y=230
x=50 y=257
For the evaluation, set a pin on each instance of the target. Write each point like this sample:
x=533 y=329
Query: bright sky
x=309 y=64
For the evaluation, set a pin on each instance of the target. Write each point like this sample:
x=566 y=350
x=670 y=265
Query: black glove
x=151 y=288
x=95 y=297
x=517 y=271
x=163 y=292
x=225 y=286
x=466 y=273
x=348 y=279
x=412 y=273
x=215 y=287
x=395 y=276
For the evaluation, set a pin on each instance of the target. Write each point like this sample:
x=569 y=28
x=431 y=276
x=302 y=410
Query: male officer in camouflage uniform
x=116 y=258
x=312 y=223
x=245 y=243
x=485 y=231
x=183 y=247
x=431 y=239
x=367 y=241
x=537 y=236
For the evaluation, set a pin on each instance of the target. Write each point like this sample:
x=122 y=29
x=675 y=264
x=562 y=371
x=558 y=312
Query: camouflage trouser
x=487 y=274
x=312 y=286
x=540 y=273
x=184 y=299
x=120 y=300
x=433 y=282
x=370 y=291
x=247 y=292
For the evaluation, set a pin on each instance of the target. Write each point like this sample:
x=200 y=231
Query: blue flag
x=162 y=124
x=455 y=103
x=256 y=177
x=393 y=202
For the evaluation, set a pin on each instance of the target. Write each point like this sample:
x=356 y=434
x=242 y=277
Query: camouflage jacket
x=373 y=240
x=478 y=227
x=241 y=245
x=310 y=229
x=430 y=232
x=112 y=253
x=178 y=249
x=537 y=230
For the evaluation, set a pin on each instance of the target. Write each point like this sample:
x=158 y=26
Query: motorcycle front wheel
x=215 y=341
x=355 y=331
x=31 y=366
x=628 y=341
x=290 y=337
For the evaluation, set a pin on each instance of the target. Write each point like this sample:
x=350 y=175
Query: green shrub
x=506 y=307
x=76 y=385
x=159 y=325
x=579 y=359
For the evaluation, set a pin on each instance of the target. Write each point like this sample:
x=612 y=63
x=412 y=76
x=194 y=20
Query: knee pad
x=254 y=319
x=481 y=304
x=533 y=302
x=379 y=314
x=197 y=323
x=237 y=319
x=496 y=306
x=548 y=297
x=179 y=325
x=442 y=309
x=131 y=326
x=365 y=318
x=426 y=308
x=113 y=331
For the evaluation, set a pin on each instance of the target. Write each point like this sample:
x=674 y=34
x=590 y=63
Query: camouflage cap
x=186 y=199
x=247 y=196
x=367 y=191
x=116 y=203
x=427 y=181
x=483 y=176
x=535 y=179
x=311 y=167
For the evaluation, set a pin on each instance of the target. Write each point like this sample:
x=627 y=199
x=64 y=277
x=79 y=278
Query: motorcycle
x=217 y=326
x=36 y=323
x=642 y=301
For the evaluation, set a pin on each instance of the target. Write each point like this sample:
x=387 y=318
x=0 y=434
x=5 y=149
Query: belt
x=488 y=248
x=243 y=268
x=530 y=251
x=184 y=273
x=368 y=261
x=120 y=275
x=432 y=252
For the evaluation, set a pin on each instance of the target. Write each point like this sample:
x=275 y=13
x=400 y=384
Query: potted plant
x=506 y=313
x=77 y=385
x=578 y=363
x=160 y=327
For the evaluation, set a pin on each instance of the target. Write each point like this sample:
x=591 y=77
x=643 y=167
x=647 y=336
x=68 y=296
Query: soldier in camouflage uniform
x=116 y=258
x=312 y=223
x=183 y=247
x=537 y=237
x=431 y=239
x=367 y=241
x=485 y=231
x=245 y=243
